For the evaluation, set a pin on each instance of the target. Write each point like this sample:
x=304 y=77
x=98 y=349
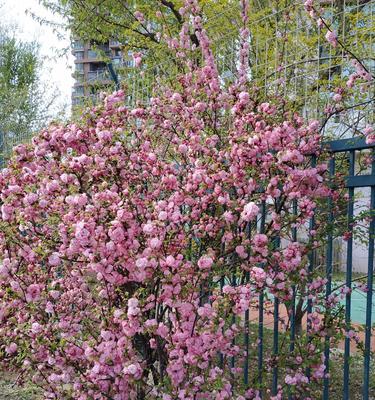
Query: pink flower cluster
x=117 y=230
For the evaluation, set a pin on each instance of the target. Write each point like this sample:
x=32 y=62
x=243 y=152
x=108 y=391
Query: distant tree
x=24 y=105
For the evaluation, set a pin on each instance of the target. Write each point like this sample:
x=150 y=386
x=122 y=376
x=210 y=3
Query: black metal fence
x=347 y=375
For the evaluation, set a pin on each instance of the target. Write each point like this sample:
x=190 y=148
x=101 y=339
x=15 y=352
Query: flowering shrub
x=121 y=233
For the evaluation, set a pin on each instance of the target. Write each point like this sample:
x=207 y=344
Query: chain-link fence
x=289 y=56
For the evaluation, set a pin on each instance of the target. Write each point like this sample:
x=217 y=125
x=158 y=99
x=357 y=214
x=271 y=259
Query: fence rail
x=271 y=326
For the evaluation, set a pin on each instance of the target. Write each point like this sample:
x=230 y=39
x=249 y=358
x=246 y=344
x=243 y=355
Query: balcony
x=117 y=60
x=128 y=63
x=79 y=68
x=92 y=55
x=77 y=95
x=114 y=43
x=79 y=56
x=100 y=75
x=77 y=101
x=97 y=56
x=79 y=77
x=78 y=45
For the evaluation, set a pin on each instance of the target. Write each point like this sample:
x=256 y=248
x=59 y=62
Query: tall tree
x=288 y=53
x=24 y=105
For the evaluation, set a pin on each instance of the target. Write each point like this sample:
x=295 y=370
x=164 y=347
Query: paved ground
x=358 y=308
x=269 y=322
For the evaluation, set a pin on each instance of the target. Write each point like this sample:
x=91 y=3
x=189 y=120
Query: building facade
x=91 y=72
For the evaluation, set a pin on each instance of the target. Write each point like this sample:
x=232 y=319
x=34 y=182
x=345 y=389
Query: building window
x=78 y=44
x=129 y=63
x=117 y=53
x=79 y=55
x=92 y=54
x=97 y=67
x=78 y=91
x=77 y=101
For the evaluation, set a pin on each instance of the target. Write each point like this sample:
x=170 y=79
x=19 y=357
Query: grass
x=11 y=391
x=356 y=377
x=340 y=276
x=336 y=367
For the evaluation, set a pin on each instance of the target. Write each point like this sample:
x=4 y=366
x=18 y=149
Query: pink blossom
x=250 y=211
x=205 y=262
x=12 y=348
x=54 y=259
x=331 y=38
x=104 y=135
x=30 y=198
x=137 y=61
x=155 y=243
x=163 y=216
x=148 y=228
x=244 y=97
x=33 y=293
x=176 y=97
x=258 y=275
x=170 y=261
x=142 y=262
x=54 y=294
x=308 y=4
x=139 y=16
x=200 y=106
x=36 y=328
x=260 y=240
x=133 y=309
x=370 y=135
x=162 y=330
x=337 y=97
x=240 y=250
x=6 y=212
x=183 y=148
x=117 y=234
x=4 y=271
x=314 y=125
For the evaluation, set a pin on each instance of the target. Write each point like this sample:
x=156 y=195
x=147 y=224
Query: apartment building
x=91 y=72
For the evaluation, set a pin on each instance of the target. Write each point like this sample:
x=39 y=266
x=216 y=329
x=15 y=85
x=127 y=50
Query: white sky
x=57 y=68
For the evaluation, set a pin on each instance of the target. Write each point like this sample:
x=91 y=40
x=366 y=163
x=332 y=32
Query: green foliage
x=24 y=105
x=18 y=84
x=289 y=55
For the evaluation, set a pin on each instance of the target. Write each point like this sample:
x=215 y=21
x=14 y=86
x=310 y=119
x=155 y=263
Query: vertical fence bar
x=246 y=341
x=292 y=331
x=233 y=359
x=292 y=312
x=349 y=268
x=222 y=283
x=370 y=273
x=2 y=149
x=247 y=325
x=310 y=269
x=329 y=259
x=221 y=356
x=261 y=309
x=275 y=345
x=293 y=306
x=275 y=371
